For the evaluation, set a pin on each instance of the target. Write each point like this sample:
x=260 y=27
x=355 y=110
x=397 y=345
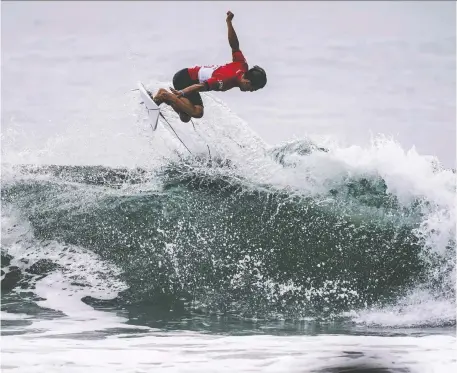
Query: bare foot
x=161 y=96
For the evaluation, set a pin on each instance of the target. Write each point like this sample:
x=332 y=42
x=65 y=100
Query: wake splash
x=296 y=231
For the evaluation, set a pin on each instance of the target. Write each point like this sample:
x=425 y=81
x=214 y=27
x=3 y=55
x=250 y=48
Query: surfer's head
x=254 y=79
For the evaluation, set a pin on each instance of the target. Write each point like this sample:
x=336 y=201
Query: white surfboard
x=187 y=134
x=151 y=107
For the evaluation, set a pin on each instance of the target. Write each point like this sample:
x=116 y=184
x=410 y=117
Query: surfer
x=185 y=98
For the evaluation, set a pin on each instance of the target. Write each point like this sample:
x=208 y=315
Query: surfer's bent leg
x=187 y=107
x=182 y=105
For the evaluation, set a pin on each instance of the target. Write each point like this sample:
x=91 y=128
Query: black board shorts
x=182 y=80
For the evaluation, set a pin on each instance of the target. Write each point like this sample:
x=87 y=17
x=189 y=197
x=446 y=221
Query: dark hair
x=257 y=77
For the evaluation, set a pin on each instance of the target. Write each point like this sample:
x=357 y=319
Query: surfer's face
x=245 y=85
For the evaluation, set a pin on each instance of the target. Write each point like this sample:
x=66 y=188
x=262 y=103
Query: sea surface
x=313 y=232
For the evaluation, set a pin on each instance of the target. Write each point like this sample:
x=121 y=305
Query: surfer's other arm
x=232 y=38
x=212 y=84
x=193 y=88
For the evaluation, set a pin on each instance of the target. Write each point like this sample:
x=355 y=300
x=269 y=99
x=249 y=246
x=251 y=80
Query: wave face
x=316 y=233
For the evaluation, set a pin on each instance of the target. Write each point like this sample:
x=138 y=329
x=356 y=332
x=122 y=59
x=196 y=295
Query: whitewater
x=315 y=238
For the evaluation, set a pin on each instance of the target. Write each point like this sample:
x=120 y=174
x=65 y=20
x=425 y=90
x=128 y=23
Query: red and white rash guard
x=220 y=78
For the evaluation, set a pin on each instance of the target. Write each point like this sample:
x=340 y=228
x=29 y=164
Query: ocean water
x=317 y=236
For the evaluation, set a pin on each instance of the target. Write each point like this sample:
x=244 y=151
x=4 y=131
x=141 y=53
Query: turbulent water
x=201 y=239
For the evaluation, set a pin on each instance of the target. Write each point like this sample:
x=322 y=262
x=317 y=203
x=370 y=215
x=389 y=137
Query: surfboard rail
x=151 y=106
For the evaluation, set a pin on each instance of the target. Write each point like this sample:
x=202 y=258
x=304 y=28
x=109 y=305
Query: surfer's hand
x=177 y=93
x=230 y=16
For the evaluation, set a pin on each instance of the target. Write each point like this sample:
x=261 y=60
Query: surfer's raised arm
x=232 y=38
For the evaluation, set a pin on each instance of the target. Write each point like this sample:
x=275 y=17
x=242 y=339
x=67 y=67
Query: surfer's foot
x=153 y=98
x=159 y=98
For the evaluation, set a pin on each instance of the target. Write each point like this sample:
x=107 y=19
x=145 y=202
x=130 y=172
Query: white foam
x=193 y=352
x=13 y=316
x=417 y=309
x=81 y=273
